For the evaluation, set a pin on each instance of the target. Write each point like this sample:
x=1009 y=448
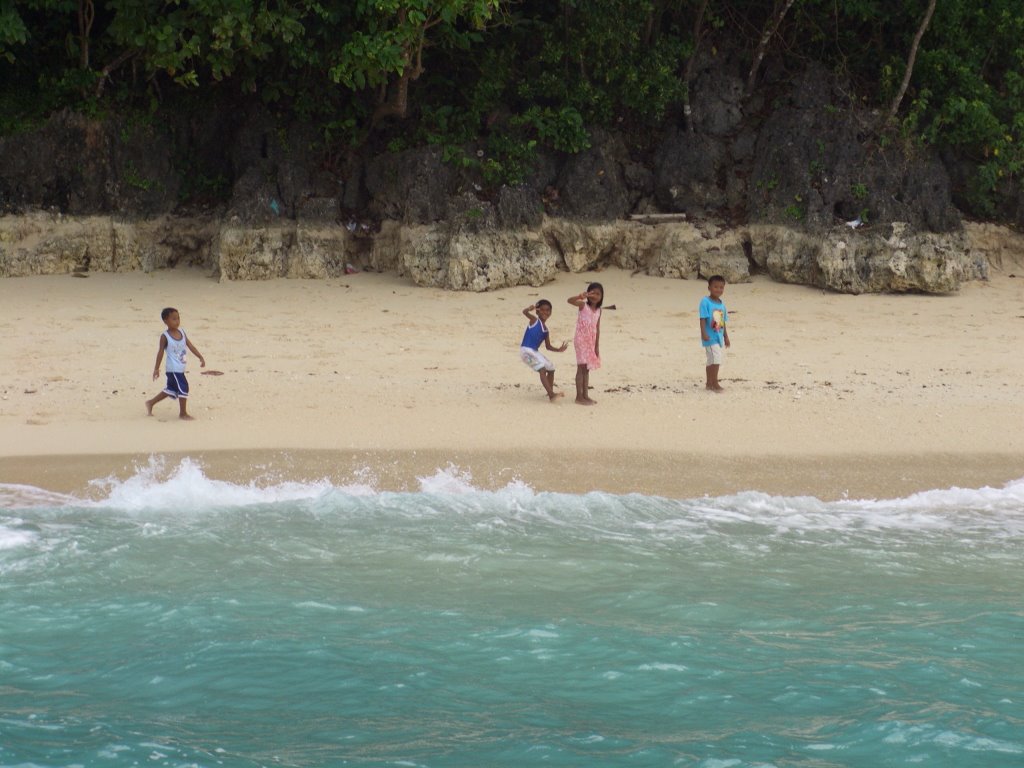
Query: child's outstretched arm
x=551 y=347
x=196 y=352
x=159 y=356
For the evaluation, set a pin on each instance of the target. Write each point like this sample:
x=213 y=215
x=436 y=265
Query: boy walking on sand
x=529 y=350
x=175 y=343
x=714 y=334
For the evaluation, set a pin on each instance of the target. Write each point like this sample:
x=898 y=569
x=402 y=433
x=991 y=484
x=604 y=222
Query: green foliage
x=601 y=61
x=795 y=210
x=136 y=180
x=508 y=77
x=561 y=129
x=13 y=31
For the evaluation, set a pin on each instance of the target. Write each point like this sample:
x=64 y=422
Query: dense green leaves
x=509 y=76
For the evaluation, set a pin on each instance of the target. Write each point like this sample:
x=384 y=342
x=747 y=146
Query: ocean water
x=174 y=620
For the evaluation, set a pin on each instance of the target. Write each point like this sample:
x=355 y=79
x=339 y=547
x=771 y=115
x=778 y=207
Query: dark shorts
x=177 y=386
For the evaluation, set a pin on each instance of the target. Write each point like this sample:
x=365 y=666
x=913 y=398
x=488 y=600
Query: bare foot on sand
x=586 y=401
x=186 y=417
x=555 y=395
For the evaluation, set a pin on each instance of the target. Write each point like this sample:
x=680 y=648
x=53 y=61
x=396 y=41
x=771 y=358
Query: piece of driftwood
x=656 y=218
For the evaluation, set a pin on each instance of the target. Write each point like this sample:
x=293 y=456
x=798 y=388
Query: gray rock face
x=284 y=250
x=813 y=168
x=47 y=244
x=679 y=249
x=592 y=184
x=482 y=261
x=411 y=186
x=894 y=259
x=471 y=252
x=690 y=172
x=74 y=164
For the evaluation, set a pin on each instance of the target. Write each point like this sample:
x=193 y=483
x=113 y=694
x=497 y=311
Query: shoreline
x=871 y=395
x=619 y=472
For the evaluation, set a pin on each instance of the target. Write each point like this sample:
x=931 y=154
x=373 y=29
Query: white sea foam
x=12 y=538
x=186 y=487
x=451 y=490
x=14 y=496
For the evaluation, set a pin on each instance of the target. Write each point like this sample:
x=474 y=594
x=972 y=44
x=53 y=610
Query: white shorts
x=535 y=360
x=715 y=354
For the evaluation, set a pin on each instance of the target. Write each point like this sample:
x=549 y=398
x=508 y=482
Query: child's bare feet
x=585 y=401
x=186 y=417
x=149 y=407
x=555 y=395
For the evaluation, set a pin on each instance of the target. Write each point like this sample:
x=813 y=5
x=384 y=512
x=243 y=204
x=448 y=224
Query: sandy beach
x=372 y=377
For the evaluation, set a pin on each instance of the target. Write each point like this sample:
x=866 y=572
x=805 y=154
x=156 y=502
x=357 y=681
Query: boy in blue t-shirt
x=714 y=335
x=529 y=350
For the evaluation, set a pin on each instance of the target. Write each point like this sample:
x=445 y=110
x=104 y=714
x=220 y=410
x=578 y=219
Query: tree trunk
x=762 y=45
x=895 y=106
x=86 y=17
x=117 y=62
x=698 y=30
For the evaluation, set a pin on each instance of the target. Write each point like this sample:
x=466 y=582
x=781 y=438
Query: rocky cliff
x=795 y=188
x=464 y=253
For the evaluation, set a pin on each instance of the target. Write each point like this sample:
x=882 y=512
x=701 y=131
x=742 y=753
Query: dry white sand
x=826 y=394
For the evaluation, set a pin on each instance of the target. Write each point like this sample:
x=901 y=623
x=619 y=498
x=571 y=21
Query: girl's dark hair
x=599 y=287
x=166 y=312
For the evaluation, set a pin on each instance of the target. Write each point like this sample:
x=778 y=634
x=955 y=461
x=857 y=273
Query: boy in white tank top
x=174 y=342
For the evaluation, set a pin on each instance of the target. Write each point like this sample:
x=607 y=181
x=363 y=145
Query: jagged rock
x=690 y=168
x=151 y=244
x=816 y=164
x=262 y=253
x=717 y=101
x=459 y=255
x=47 y=244
x=519 y=207
x=592 y=184
x=892 y=259
x=286 y=250
x=468 y=213
x=461 y=260
x=680 y=249
x=411 y=186
x=326 y=209
x=76 y=164
x=573 y=242
x=319 y=252
x=385 y=255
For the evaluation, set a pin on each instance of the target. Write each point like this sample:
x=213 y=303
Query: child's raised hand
x=565 y=345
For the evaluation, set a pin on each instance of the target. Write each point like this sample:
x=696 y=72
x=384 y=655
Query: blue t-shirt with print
x=716 y=316
x=535 y=334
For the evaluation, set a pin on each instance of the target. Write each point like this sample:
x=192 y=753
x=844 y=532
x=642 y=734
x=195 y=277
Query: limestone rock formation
x=470 y=251
x=48 y=243
x=892 y=259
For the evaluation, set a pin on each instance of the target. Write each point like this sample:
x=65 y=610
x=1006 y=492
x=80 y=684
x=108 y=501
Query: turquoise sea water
x=182 y=621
